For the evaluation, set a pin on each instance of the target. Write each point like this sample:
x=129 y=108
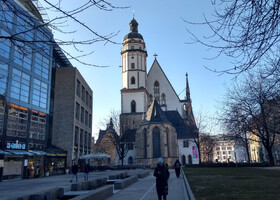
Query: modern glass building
x=28 y=57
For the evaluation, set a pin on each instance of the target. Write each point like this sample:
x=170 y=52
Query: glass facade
x=25 y=62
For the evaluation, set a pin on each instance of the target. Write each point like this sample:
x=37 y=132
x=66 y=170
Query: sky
x=164 y=31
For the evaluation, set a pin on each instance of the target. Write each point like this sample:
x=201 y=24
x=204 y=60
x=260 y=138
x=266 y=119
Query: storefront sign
x=15 y=145
x=57 y=154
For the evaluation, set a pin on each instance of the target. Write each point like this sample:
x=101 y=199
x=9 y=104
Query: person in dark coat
x=86 y=171
x=75 y=169
x=177 y=166
x=162 y=175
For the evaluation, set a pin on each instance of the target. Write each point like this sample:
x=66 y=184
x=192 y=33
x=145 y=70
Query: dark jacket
x=75 y=169
x=162 y=175
x=177 y=164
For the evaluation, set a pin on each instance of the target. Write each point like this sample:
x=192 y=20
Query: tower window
x=132 y=47
x=132 y=65
x=133 y=106
x=156 y=90
x=132 y=81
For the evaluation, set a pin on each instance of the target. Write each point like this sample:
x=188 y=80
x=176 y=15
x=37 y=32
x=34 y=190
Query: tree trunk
x=270 y=156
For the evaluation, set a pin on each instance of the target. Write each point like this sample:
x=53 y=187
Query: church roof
x=155 y=114
x=133 y=31
x=184 y=130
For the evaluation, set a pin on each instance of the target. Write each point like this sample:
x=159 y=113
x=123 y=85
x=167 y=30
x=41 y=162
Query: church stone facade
x=151 y=111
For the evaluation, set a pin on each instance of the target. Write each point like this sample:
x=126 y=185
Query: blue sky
x=164 y=31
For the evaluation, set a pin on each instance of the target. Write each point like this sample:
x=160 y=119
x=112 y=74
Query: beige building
x=72 y=117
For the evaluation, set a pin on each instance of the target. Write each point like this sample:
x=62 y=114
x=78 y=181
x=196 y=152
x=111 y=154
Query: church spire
x=188 y=96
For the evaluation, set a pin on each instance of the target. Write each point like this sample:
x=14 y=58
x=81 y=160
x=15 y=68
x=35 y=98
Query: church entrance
x=130 y=160
x=189 y=159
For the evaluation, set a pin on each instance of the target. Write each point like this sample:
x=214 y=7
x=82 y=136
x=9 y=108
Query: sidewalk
x=145 y=189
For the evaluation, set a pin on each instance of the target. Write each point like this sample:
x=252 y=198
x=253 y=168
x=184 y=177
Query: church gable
x=159 y=88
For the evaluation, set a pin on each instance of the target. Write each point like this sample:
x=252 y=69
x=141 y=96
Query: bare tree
x=207 y=144
x=26 y=26
x=253 y=105
x=248 y=31
x=205 y=125
x=118 y=133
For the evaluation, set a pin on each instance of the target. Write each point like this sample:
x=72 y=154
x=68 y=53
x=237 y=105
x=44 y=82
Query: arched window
x=132 y=80
x=156 y=142
x=133 y=106
x=145 y=142
x=132 y=65
x=156 y=90
x=163 y=99
x=167 y=141
x=130 y=160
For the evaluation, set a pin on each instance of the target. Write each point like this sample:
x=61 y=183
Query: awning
x=38 y=153
x=55 y=152
x=4 y=152
x=20 y=152
x=95 y=156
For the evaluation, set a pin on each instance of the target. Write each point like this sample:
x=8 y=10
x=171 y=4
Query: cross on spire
x=133 y=13
x=155 y=55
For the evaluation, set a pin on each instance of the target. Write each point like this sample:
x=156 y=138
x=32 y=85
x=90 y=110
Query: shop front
x=56 y=160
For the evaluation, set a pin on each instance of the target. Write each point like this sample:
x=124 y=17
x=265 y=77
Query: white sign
x=1 y=163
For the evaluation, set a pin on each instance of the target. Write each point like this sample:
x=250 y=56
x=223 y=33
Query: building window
x=186 y=143
x=78 y=88
x=86 y=119
x=7 y=14
x=156 y=90
x=85 y=140
x=82 y=115
x=89 y=120
x=76 y=136
x=3 y=77
x=81 y=138
x=5 y=45
x=83 y=94
x=132 y=65
x=2 y=111
x=90 y=102
x=17 y=121
x=145 y=142
x=130 y=146
x=163 y=99
x=43 y=38
x=42 y=65
x=156 y=143
x=40 y=94
x=87 y=98
x=24 y=27
x=132 y=47
x=132 y=80
x=89 y=141
x=151 y=99
x=133 y=106
x=167 y=142
x=77 y=111
x=23 y=56
x=37 y=125
x=20 y=86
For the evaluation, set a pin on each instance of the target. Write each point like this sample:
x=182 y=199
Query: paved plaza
x=143 y=189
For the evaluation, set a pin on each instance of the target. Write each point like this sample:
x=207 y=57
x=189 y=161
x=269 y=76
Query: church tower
x=134 y=72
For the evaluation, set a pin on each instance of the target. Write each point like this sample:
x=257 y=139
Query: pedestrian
x=86 y=171
x=177 y=166
x=162 y=175
x=75 y=169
